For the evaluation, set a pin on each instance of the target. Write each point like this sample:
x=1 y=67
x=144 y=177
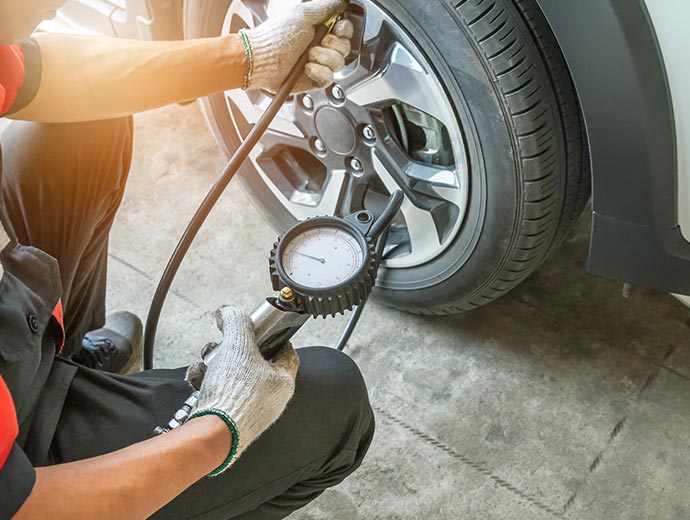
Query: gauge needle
x=322 y=260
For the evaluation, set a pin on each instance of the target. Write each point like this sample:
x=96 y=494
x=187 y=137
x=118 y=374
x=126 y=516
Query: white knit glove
x=277 y=44
x=240 y=385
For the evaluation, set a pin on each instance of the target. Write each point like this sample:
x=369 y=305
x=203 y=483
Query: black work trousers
x=62 y=186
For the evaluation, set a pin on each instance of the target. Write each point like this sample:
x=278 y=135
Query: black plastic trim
x=614 y=58
x=649 y=257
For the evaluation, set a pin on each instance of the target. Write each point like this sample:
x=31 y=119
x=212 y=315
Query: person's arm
x=241 y=394
x=131 y=483
x=87 y=78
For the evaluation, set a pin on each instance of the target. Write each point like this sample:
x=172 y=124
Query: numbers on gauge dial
x=322 y=257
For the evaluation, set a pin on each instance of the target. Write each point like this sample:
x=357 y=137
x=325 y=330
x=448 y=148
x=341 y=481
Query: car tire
x=504 y=74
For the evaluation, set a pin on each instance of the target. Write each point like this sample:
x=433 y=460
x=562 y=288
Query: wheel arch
x=617 y=67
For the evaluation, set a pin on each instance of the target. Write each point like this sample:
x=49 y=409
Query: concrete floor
x=561 y=400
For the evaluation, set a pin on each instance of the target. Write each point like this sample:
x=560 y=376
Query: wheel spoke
x=307 y=205
x=352 y=195
x=331 y=196
x=342 y=195
x=373 y=25
x=431 y=175
x=275 y=139
x=425 y=186
x=383 y=170
x=400 y=78
x=421 y=228
x=253 y=109
x=397 y=162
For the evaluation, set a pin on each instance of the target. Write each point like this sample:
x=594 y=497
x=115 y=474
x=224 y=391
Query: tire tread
x=549 y=137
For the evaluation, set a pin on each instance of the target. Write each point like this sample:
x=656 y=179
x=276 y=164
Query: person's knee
x=337 y=375
x=337 y=389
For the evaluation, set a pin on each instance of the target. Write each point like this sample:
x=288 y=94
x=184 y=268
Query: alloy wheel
x=385 y=124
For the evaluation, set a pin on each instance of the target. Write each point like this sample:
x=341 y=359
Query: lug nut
x=369 y=133
x=356 y=165
x=320 y=147
x=307 y=102
x=338 y=93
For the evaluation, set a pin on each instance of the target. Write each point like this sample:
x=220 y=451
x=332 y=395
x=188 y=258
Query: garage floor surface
x=560 y=400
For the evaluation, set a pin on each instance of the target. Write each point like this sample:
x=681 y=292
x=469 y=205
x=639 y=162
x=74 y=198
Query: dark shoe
x=115 y=348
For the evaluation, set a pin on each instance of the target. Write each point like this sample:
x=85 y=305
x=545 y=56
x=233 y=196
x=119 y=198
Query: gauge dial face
x=322 y=257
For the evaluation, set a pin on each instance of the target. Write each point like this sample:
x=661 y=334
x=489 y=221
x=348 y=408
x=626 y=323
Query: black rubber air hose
x=216 y=191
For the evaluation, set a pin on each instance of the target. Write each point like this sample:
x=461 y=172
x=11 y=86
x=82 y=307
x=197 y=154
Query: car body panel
x=616 y=63
x=670 y=23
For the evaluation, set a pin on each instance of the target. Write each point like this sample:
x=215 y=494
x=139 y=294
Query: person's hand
x=277 y=44
x=240 y=384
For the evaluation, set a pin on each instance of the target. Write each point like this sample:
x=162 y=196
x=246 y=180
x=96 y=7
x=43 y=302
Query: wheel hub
x=335 y=130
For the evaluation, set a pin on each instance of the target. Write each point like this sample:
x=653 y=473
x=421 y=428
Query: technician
x=75 y=432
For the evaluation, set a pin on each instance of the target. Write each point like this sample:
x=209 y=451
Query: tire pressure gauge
x=321 y=267
x=329 y=263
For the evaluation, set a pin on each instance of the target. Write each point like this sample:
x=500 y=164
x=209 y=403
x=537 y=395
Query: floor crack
x=618 y=427
x=479 y=466
x=594 y=465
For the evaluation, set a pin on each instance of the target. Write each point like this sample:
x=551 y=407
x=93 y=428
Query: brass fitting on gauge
x=287 y=295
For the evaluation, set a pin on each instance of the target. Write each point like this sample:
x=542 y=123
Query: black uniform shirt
x=29 y=291
x=29 y=336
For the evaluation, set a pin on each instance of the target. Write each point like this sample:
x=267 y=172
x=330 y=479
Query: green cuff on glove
x=250 y=59
x=235 y=437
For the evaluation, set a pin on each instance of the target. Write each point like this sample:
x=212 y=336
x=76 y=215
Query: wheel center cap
x=336 y=130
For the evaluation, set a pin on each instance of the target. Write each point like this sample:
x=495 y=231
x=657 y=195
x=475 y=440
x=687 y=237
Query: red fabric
x=59 y=318
x=8 y=423
x=11 y=74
